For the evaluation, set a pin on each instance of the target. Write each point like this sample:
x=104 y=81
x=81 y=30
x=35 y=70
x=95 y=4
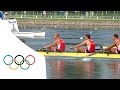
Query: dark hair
x=115 y=35
x=88 y=35
x=57 y=34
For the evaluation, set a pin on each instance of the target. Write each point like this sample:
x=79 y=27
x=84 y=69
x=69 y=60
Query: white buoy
x=55 y=26
x=21 y=16
x=66 y=17
x=51 y=17
x=81 y=38
x=97 y=17
x=36 y=16
x=90 y=31
x=95 y=28
x=113 y=18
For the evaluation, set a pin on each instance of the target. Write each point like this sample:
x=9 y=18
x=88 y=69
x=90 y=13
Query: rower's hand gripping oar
x=106 y=51
x=43 y=50
x=101 y=49
x=40 y=49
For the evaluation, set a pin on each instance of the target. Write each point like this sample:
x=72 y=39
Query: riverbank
x=73 y=22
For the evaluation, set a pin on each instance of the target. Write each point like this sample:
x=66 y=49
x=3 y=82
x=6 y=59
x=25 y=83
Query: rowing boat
x=75 y=54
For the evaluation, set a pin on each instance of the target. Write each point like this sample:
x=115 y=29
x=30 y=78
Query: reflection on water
x=88 y=69
x=115 y=67
x=78 y=69
x=57 y=68
x=71 y=70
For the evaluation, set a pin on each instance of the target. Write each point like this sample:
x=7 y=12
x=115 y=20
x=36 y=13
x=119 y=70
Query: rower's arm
x=113 y=45
x=53 y=44
x=81 y=44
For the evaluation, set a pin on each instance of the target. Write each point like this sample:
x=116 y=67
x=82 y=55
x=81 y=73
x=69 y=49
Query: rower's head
x=115 y=36
x=87 y=36
x=56 y=35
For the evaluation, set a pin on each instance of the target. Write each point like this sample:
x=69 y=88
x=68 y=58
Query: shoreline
x=68 y=22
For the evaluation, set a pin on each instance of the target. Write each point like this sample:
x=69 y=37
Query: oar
x=39 y=49
x=101 y=48
x=43 y=49
x=79 y=38
x=74 y=38
x=79 y=43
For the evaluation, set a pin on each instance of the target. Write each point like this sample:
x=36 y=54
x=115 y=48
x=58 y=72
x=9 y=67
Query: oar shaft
x=79 y=38
x=99 y=49
x=79 y=43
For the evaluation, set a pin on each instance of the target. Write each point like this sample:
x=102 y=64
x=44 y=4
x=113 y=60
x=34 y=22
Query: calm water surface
x=76 y=68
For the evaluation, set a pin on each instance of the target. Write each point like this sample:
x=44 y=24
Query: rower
x=116 y=43
x=88 y=42
x=58 y=45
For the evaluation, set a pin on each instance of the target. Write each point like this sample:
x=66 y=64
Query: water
x=76 y=68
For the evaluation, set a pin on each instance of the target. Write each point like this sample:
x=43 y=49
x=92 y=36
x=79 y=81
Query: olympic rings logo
x=19 y=60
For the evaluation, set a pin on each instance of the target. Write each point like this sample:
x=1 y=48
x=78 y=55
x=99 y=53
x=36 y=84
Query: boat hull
x=73 y=54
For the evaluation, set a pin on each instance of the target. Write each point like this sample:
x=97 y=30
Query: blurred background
x=65 y=14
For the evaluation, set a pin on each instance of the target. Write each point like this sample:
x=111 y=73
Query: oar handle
x=105 y=51
x=41 y=49
x=100 y=49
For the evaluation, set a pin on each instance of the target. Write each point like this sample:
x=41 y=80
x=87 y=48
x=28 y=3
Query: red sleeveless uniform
x=61 y=46
x=91 y=49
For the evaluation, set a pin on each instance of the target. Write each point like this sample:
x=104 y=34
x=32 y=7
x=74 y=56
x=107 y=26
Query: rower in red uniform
x=116 y=43
x=89 y=43
x=58 y=45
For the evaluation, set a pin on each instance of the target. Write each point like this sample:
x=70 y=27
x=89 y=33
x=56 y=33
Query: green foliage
x=87 y=15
